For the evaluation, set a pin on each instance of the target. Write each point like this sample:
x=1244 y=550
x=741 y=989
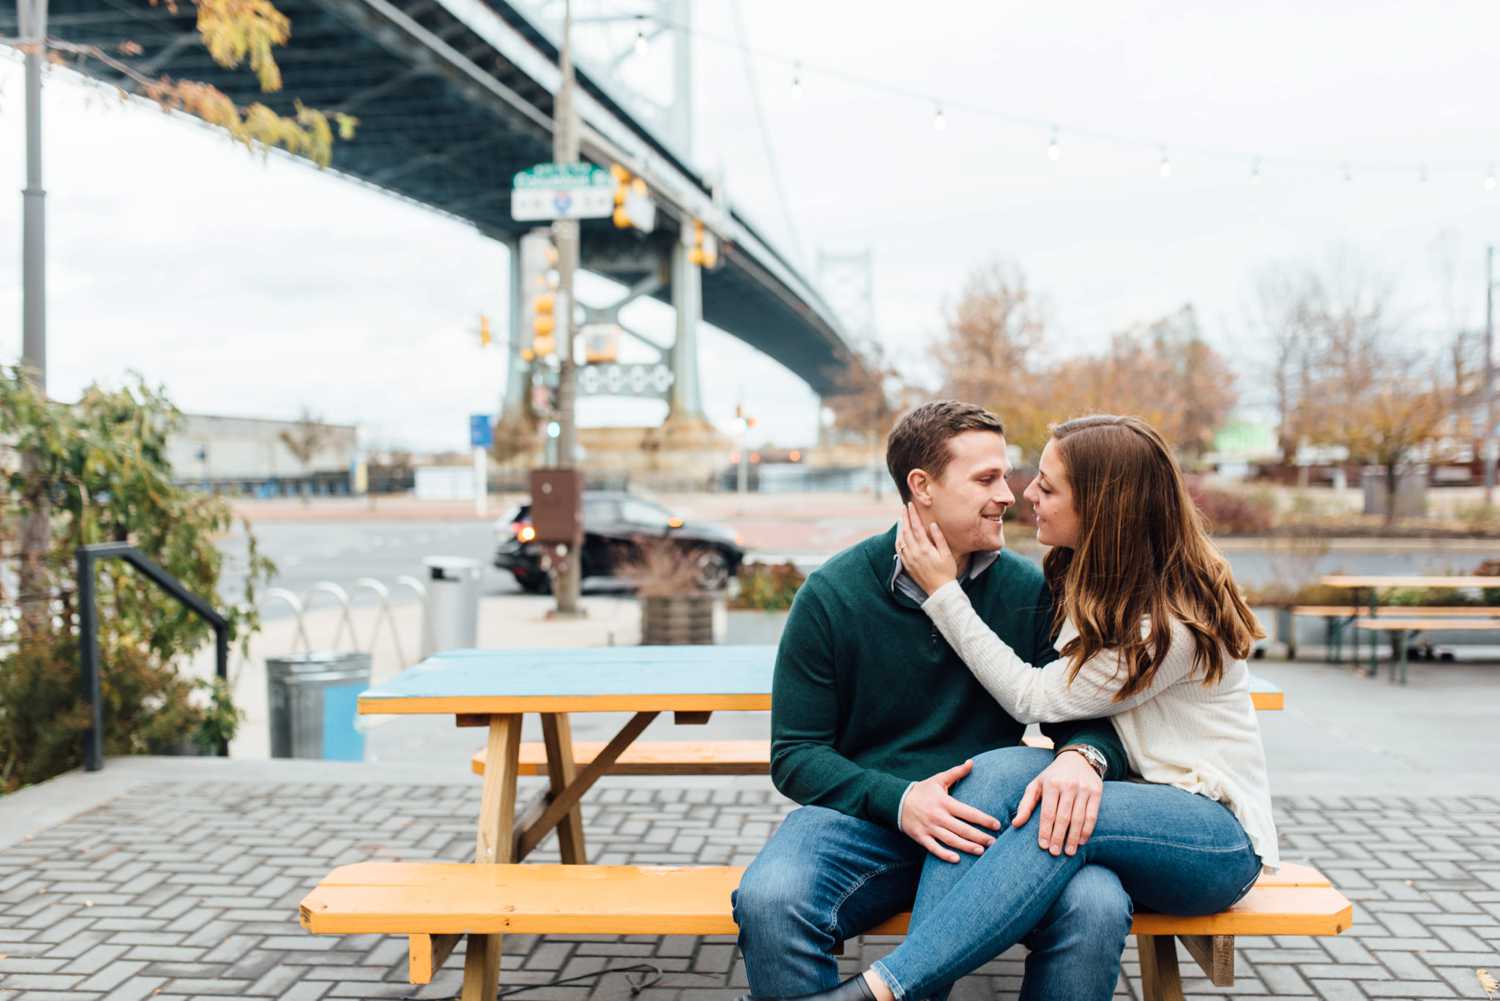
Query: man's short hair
x=920 y=440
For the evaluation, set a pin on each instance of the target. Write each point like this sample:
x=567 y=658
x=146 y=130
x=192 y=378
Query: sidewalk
x=181 y=880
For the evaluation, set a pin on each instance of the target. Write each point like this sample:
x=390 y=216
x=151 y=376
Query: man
x=874 y=719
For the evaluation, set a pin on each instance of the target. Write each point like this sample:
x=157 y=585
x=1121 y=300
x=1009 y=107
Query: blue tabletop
x=605 y=679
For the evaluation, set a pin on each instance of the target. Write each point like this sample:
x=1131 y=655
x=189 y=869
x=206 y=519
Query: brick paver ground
x=189 y=890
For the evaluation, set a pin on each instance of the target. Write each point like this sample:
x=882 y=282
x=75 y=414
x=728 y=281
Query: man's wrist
x=1095 y=757
x=901 y=806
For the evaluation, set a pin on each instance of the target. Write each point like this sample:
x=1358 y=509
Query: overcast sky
x=255 y=287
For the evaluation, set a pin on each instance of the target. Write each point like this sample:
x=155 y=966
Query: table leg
x=557 y=734
x=493 y=843
x=1400 y=665
x=1374 y=635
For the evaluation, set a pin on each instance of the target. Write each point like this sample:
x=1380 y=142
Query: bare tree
x=1347 y=376
x=305 y=440
x=990 y=352
x=870 y=395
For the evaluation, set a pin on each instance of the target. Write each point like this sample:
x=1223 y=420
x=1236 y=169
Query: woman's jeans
x=825 y=877
x=1174 y=852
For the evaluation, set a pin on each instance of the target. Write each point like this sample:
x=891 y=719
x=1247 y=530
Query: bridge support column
x=515 y=432
x=685 y=405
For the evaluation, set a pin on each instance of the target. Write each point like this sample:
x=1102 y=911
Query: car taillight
x=524 y=531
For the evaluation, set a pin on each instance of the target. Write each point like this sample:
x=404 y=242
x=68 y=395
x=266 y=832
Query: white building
x=252 y=455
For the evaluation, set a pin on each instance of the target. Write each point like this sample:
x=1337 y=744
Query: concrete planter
x=678 y=619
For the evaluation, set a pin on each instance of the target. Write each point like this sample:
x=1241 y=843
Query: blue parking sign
x=481 y=434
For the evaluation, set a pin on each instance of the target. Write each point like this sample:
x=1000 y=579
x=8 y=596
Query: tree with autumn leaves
x=235 y=33
x=995 y=351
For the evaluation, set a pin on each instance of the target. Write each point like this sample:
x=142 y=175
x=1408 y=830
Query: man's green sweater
x=868 y=696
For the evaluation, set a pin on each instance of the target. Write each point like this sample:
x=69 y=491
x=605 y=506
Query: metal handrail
x=88 y=628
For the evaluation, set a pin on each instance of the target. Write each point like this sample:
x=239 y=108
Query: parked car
x=613 y=521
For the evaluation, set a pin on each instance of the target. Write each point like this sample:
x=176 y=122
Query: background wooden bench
x=434 y=903
x=1402 y=627
x=1337 y=617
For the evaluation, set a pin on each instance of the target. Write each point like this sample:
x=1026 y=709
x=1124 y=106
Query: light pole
x=36 y=537
x=565 y=151
x=1489 y=375
x=33 y=19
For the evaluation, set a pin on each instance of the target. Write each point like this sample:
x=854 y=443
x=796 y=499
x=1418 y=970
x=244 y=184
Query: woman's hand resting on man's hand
x=924 y=554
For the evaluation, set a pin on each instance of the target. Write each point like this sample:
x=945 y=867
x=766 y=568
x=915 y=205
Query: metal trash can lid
x=350 y=663
x=450 y=567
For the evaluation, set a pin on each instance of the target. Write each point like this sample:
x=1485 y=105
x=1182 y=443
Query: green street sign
x=563 y=175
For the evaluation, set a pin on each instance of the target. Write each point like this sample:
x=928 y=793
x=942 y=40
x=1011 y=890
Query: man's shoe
x=853 y=989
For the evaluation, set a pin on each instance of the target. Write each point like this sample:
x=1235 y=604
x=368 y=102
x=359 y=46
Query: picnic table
x=1369 y=587
x=493 y=689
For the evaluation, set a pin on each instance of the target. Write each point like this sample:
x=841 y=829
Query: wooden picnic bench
x=435 y=903
x=1337 y=618
x=1370 y=610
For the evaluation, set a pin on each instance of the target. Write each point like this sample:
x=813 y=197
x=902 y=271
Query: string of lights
x=1053 y=133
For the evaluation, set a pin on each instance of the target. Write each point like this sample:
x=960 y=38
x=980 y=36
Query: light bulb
x=1165 y=169
x=797 y=83
x=1422 y=177
x=1255 y=171
x=1489 y=179
x=939 y=123
x=642 y=43
x=1054 y=151
x=1348 y=174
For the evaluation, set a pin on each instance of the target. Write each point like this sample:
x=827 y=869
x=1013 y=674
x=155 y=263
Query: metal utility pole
x=33 y=18
x=1489 y=375
x=36 y=535
x=564 y=151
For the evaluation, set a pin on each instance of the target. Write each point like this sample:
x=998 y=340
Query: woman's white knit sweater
x=1176 y=731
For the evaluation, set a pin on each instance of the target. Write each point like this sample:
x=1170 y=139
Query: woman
x=1152 y=634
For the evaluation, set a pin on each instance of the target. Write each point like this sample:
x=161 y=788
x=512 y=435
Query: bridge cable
x=765 y=133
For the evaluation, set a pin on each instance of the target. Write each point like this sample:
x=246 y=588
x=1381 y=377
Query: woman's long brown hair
x=1143 y=550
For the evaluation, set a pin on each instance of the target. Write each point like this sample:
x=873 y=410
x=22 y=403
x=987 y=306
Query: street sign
x=563 y=175
x=562 y=191
x=646 y=380
x=481 y=434
x=544 y=204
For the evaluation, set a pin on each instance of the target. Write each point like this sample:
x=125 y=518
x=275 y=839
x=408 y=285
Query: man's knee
x=999 y=777
x=1095 y=901
x=774 y=895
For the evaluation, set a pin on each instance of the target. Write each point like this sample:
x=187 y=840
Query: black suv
x=612 y=522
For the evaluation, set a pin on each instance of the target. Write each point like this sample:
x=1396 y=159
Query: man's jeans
x=825 y=877
x=1174 y=852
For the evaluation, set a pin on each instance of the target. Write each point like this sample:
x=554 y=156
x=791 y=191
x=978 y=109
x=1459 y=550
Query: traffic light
x=704 y=252
x=634 y=207
x=539 y=290
x=543 y=324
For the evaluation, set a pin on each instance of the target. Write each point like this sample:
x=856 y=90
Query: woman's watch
x=1091 y=754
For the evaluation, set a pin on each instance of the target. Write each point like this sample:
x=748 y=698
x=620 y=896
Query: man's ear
x=919 y=483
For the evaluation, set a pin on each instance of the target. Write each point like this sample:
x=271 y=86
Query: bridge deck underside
x=431 y=135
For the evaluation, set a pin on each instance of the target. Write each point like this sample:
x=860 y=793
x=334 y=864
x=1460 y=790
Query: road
x=342 y=551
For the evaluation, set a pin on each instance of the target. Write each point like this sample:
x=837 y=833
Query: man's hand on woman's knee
x=933 y=818
x=1068 y=791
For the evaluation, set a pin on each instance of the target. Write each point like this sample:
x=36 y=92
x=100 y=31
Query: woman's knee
x=999 y=777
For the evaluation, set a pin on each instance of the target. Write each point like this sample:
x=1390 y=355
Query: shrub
x=102 y=464
x=1232 y=512
x=767 y=587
